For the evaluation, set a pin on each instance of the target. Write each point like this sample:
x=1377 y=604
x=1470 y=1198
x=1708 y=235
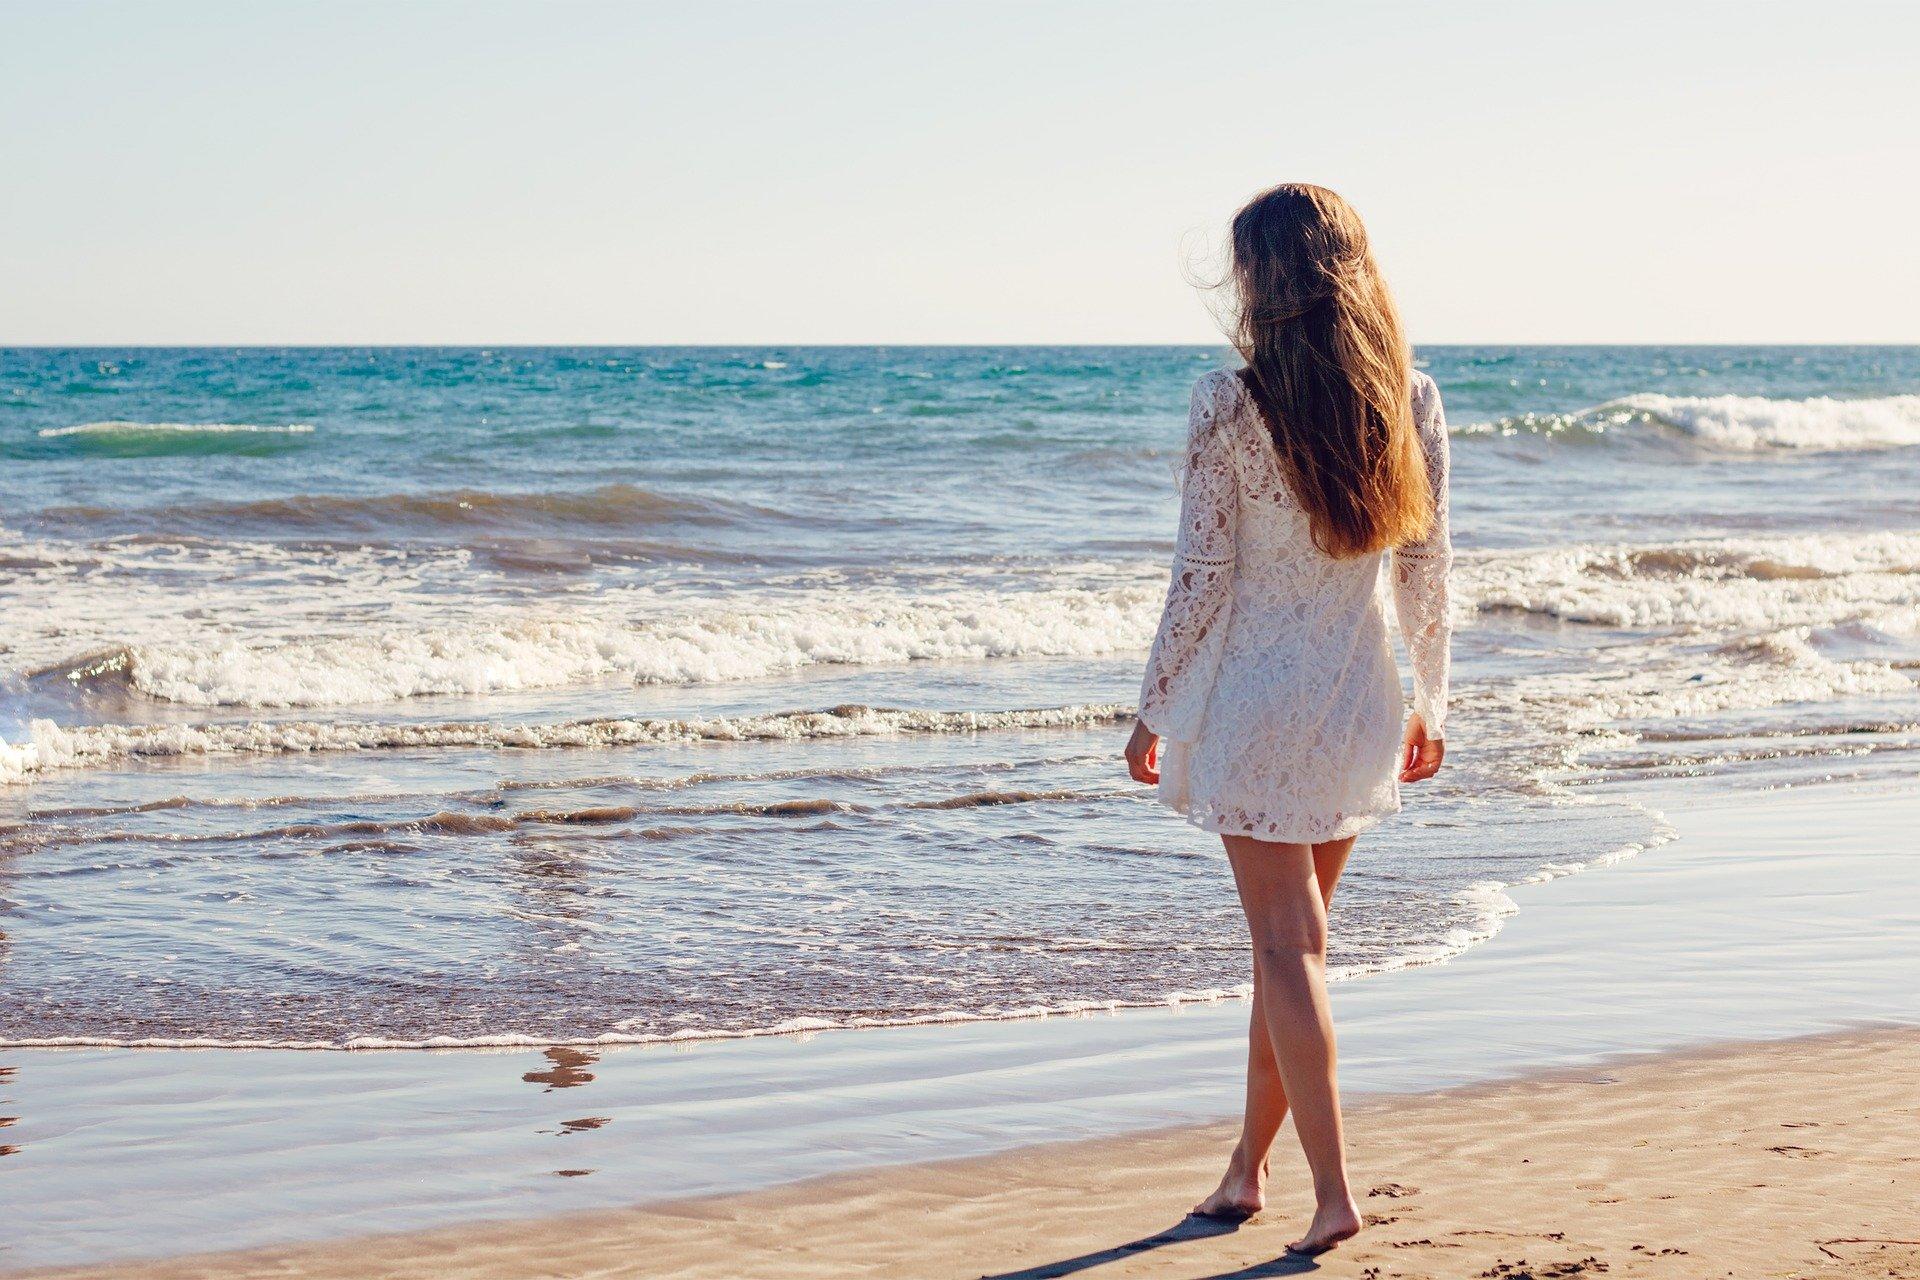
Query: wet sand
x=1787 y=1159
x=1560 y=1079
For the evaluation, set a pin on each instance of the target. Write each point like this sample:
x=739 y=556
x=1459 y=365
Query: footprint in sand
x=1522 y=1270
x=1898 y=1259
x=1394 y=1190
x=1555 y=1236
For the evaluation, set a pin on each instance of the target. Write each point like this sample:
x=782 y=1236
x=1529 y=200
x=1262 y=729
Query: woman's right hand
x=1420 y=754
x=1143 y=754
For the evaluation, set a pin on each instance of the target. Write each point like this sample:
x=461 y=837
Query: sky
x=929 y=172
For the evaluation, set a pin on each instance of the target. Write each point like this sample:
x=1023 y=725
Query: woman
x=1271 y=712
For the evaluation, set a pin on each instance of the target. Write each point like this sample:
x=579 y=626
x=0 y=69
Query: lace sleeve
x=1420 y=572
x=1186 y=649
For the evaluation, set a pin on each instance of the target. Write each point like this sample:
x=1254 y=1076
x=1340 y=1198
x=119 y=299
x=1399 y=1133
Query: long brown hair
x=1329 y=368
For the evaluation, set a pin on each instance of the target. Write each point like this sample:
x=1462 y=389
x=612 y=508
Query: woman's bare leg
x=1242 y=1191
x=1243 y=1188
x=1286 y=911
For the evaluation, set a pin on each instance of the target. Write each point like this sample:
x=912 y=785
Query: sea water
x=457 y=696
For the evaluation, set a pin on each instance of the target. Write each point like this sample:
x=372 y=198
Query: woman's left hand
x=1420 y=752
x=1143 y=754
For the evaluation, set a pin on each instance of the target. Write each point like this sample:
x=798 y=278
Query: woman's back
x=1272 y=679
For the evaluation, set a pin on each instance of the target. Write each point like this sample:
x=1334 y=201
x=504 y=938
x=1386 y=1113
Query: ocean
x=405 y=697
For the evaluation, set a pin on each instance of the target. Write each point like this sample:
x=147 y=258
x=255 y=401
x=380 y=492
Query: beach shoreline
x=1758 y=1159
x=317 y=1158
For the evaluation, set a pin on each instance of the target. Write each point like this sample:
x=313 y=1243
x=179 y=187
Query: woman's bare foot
x=1331 y=1224
x=1241 y=1193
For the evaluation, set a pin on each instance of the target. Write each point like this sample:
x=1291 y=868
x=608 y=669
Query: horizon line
x=908 y=346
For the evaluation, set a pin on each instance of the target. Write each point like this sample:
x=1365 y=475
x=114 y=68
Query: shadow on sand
x=1287 y=1264
x=1188 y=1228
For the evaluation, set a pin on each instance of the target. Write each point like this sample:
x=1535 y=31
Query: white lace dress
x=1271 y=682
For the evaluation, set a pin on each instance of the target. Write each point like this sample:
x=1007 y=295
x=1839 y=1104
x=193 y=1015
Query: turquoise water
x=403 y=696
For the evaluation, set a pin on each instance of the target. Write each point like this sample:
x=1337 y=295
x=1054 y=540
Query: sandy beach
x=1792 y=1159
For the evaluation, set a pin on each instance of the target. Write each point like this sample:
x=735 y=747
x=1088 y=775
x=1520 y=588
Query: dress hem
x=1206 y=822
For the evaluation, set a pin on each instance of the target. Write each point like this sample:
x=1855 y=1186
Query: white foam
x=1707 y=585
x=1640 y=683
x=1756 y=599
x=535 y=651
x=1732 y=424
x=272 y=653
x=1754 y=423
x=196 y=592
x=49 y=746
x=800 y=1026
x=17 y=762
x=282 y=644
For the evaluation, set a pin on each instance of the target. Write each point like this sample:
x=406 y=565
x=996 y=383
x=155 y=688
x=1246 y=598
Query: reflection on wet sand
x=583 y=1125
x=7 y=1149
x=568 y=1070
x=6 y=1073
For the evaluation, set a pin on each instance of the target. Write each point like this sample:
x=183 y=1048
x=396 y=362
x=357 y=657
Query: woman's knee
x=1288 y=936
x=1280 y=890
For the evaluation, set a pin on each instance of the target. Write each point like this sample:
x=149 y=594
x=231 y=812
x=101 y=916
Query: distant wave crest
x=172 y=439
x=619 y=507
x=1731 y=424
x=171 y=429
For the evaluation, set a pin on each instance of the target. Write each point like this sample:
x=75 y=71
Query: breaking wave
x=701 y=648
x=1766 y=620
x=1706 y=585
x=48 y=746
x=1731 y=424
x=1741 y=585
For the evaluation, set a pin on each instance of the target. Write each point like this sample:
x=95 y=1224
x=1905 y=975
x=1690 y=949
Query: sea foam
x=1721 y=584
x=703 y=646
x=1711 y=585
x=49 y=746
x=1767 y=620
x=1732 y=424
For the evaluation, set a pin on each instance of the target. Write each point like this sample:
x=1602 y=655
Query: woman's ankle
x=1332 y=1193
x=1245 y=1159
